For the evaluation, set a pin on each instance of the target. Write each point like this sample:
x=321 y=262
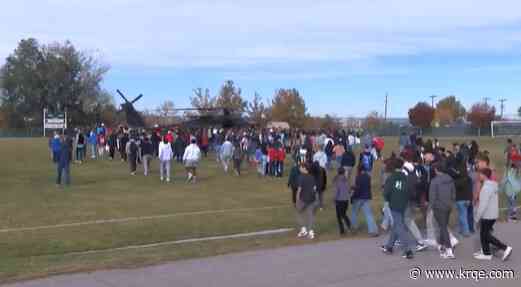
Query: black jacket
x=348 y=159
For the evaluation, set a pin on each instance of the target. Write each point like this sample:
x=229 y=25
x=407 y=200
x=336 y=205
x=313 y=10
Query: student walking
x=113 y=145
x=80 y=147
x=306 y=202
x=92 y=143
x=101 y=145
x=64 y=162
x=511 y=186
x=293 y=181
x=165 y=157
x=320 y=175
x=342 y=195
x=226 y=153
x=397 y=195
x=486 y=215
x=442 y=196
x=348 y=162
x=361 y=199
x=237 y=158
x=132 y=153
x=146 y=154
x=56 y=146
x=191 y=159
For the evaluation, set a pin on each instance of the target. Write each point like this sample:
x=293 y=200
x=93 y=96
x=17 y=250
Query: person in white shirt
x=165 y=157
x=320 y=157
x=226 y=154
x=191 y=160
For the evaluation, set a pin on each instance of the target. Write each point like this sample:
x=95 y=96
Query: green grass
x=105 y=190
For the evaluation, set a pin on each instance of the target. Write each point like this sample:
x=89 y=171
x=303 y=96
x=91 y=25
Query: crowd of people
x=422 y=177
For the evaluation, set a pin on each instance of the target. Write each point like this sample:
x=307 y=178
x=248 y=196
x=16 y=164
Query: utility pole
x=386 y=102
x=485 y=99
x=432 y=99
x=502 y=101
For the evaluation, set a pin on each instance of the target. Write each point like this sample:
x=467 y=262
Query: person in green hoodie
x=396 y=193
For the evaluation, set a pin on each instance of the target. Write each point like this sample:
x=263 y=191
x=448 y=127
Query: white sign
x=54 y=121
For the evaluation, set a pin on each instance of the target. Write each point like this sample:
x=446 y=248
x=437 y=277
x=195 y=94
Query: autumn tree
x=288 y=106
x=481 y=115
x=230 y=98
x=202 y=100
x=331 y=122
x=373 y=120
x=57 y=77
x=258 y=112
x=449 y=110
x=421 y=115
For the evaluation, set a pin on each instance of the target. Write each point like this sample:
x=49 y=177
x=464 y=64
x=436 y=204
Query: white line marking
x=128 y=219
x=191 y=240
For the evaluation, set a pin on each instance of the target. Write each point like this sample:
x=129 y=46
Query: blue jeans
x=387 y=219
x=512 y=205
x=365 y=205
x=399 y=231
x=64 y=169
x=463 y=207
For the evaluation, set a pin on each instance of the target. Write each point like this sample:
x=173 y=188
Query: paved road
x=333 y=264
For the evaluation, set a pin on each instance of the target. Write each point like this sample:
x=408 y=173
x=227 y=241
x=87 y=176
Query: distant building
x=278 y=125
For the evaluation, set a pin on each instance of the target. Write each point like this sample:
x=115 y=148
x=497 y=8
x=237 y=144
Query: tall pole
x=432 y=100
x=386 y=102
x=44 y=115
x=502 y=101
x=485 y=99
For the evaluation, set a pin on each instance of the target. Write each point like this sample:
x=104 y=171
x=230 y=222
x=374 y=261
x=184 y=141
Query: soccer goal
x=505 y=128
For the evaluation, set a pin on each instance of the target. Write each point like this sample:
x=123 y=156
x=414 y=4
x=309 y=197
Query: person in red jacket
x=272 y=160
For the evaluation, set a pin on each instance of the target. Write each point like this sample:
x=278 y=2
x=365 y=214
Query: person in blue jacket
x=64 y=162
x=56 y=146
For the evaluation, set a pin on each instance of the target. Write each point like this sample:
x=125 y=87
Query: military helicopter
x=213 y=117
x=134 y=118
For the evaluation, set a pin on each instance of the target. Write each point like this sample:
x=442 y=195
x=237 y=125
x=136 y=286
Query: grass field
x=104 y=190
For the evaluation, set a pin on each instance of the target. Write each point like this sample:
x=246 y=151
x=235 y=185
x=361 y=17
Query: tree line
x=59 y=77
x=450 y=111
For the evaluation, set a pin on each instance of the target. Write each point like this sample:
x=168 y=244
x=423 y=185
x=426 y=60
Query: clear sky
x=342 y=55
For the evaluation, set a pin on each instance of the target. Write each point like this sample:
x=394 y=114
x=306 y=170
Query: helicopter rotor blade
x=137 y=98
x=122 y=95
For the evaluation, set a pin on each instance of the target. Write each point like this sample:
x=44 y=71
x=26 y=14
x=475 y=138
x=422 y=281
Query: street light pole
x=432 y=100
x=503 y=100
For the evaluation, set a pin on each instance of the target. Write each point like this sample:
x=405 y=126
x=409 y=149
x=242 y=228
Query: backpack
x=367 y=161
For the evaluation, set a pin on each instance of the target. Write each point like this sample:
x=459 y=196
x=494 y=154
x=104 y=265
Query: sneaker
x=507 y=253
x=168 y=180
x=483 y=257
x=480 y=252
x=386 y=250
x=421 y=247
x=448 y=254
x=384 y=227
x=162 y=179
x=303 y=233
x=454 y=241
x=408 y=255
x=311 y=234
